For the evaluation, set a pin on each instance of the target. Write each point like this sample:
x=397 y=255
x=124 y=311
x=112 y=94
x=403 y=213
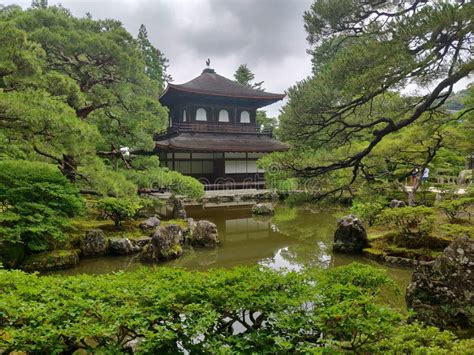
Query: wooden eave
x=210 y=142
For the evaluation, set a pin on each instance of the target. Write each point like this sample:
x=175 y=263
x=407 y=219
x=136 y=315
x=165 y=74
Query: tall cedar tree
x=155 y=61
x=243 y=75
x=39 y=4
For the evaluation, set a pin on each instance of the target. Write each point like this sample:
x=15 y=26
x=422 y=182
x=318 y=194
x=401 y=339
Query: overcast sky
x=267 y=35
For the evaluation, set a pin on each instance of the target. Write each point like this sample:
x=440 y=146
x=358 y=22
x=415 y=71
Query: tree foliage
x=363 y=52
x=73 y=91
x=243 y=75
x=412 y=223
x=37 y=203
x=264 y=121
x=155 y=61
x=455 y=207
x=118 y=209
x=227 y=311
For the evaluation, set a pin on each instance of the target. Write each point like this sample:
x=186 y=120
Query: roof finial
x=208 y=62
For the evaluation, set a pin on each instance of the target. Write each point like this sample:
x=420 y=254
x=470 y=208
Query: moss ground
x=385 y=241
x=128 y=229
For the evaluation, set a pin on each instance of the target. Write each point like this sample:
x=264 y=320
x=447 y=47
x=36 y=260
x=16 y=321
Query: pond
x=293 y=238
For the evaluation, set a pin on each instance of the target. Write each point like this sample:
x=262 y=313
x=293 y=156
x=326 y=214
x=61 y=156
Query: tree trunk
x=412 y=193
x=69 y=167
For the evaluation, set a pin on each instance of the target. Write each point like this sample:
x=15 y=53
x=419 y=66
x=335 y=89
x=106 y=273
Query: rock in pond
x=51 y=260
x=263 y=209
x=122 y=246
x=150 y=224
x=350 y=236
x=441 y=292
x=165 y=244
x=11 y=254
x=204 y=234
x=94 y=243
x=141 y=242
x=179 y=211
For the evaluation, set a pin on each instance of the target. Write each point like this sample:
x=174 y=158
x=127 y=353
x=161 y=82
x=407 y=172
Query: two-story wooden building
x=213 y=134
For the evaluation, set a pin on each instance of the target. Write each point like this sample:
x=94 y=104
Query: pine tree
x=345 y=111
x=243 y=75
x=155 y=61
x=39 y=4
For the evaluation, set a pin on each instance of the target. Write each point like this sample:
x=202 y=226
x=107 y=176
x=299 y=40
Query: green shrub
x=425 y=198
x=37 y=202
x=176 y=311
x=412 y=223
x=447 y=191
x=454 y=207
x=470 y=191
x=416 y=339
x=456 y=230
x=149 y=174
x=368 y=212
x=119 y=209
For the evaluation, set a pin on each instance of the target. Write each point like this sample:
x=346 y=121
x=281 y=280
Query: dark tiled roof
x=208 y=142
x=211 y=83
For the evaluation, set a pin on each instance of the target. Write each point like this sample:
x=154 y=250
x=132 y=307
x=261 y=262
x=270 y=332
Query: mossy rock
x=11 y=254
x=373 y=253
x=183 y=223
x=165 y=244
x=263 y=209
x=424 y=254
x=52 y=260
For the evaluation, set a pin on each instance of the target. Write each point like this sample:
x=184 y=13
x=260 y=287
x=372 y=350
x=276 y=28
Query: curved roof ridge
x=211 y=83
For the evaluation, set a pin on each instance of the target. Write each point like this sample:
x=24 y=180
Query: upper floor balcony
x=211 y=128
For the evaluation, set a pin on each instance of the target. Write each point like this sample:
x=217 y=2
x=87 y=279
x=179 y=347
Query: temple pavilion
x=213 y=134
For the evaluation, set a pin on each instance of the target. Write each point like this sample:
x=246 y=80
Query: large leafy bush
x=37 y=202
x=224 y=311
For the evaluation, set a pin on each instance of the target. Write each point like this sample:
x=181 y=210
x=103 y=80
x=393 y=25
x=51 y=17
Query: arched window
x=244 y=117
x=223 y=116
x=201 y=114
x=184 y=115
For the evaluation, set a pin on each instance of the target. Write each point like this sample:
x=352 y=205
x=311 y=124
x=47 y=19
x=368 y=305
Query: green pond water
x=293 y=238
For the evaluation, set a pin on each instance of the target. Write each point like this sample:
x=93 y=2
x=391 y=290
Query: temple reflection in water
x=293 y=238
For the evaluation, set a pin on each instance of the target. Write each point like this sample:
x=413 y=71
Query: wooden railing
x=210 y=128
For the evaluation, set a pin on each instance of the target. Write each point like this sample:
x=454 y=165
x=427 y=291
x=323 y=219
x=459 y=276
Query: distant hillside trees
x=456 y=101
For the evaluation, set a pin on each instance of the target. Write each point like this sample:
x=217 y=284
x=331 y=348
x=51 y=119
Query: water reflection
x=292 y=239
x=245 y=240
